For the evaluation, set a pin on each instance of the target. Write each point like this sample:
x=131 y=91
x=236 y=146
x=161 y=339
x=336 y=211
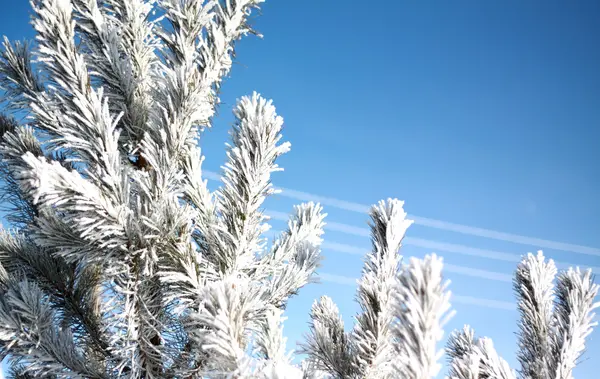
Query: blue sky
x=484 y=114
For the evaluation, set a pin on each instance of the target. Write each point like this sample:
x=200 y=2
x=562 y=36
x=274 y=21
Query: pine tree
x=404 y=308
x=555 y=321
x=403 y=311
x=121 y=262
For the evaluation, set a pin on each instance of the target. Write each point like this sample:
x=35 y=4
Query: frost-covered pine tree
x=554 y=322
x=403 y=311
x=122 y=264
x=405 y=306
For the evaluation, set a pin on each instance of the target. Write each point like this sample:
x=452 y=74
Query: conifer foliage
x=555 y=321
x=122 y=264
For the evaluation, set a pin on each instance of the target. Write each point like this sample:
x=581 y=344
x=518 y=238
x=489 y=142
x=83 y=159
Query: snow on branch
x=574 y=315
x=199 y=48
x=271 y=342
x=535 y=293
x=328 y=345
x=247 y=181
x=71 y=108
x=295 y=254
x=18 y=79
x=29 y=332
x=554 y=323
x=119 y=42
x=229 y=26
x=86 y=208
x=423 y=310
x=480 y=360
x=372 y=334
x=15 y=141
x=221 y=326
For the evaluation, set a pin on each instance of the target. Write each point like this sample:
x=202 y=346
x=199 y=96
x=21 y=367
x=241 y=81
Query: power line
x=436 y=224
x=420 y=242
x=468 y=300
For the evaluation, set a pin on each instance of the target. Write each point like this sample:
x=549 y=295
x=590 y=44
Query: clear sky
x=478 y=113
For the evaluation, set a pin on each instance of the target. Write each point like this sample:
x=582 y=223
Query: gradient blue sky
x=480 y=113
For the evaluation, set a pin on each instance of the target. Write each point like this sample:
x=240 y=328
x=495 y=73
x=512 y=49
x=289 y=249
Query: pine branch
x=472 y=358
x=466 y=367
x=574 y=314
x=534 y=288
x=295 y=255
x=230 y=25
x=184 y=94
x=18 y=371
x=14 y=142
x=73 y=293
x=463 y=360
x=461 y=343
x=222 y=324
x=167 y=253
x=328 y=345
x=491 y=365
x=18 y=78
x=24 y=89
x=311 y=370
x=120 y=43
x=246 y=182
x=184 y=103
x=198 y=55
x=28 y=327
x=270 y=343
x=423 y=310
x=188 y=21
x=85 y=208
x=207 y=227
x=72 y=110
x=372 y=334
x=196 y=193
